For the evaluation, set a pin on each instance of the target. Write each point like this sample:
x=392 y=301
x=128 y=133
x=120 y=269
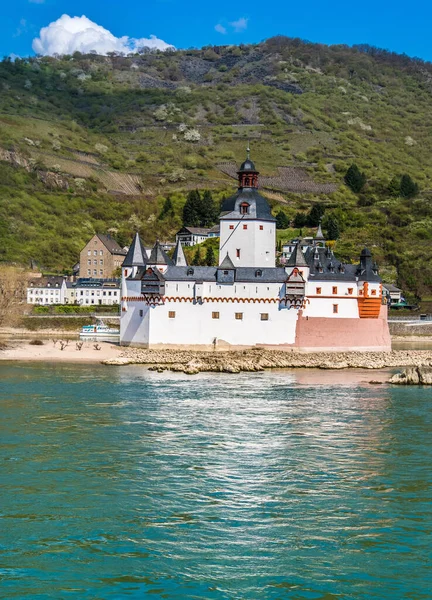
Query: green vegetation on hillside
x=92 y=143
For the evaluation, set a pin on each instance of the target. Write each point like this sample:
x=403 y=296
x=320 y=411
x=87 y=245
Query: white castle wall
x=256 y=245
x=194 y=325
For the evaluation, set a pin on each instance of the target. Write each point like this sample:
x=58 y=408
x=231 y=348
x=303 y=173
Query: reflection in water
x=124 y=483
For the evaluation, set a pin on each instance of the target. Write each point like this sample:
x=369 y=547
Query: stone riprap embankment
x=413 y=376
x=192 y=362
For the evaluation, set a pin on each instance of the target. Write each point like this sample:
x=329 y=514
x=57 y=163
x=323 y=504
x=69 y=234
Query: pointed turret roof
x=179 y=258
x=136 y=256
x=297 y=258
x=158 y=256
x=319 y=234
x=227 y=263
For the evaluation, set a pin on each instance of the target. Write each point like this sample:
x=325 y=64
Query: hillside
x=92 y=143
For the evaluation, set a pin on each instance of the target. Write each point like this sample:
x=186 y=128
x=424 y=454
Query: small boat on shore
x=99 y=331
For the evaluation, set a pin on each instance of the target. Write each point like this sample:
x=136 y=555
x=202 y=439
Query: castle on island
x=313 y=302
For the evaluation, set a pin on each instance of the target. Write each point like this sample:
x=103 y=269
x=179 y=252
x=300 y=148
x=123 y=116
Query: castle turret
x=136 y=257
x=179 y=258
x=247 y=227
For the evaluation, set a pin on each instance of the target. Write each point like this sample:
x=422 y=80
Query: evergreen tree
x=282 y=221
x=197 y=256
x=208 y=210
x=192 y=209
x=167 y=209
x=355 y=179
x=408 y=188
x=332 y=228
x=299 y=220
x=210 y=256
x=314 y=216
x=394 y=187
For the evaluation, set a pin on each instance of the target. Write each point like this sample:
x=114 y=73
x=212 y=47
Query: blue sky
x=395 y=25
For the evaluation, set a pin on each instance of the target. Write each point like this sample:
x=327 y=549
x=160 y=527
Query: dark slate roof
x=136 y=255
x=158 y=256
x=110 y=244
x=247 y=166
x=319 y=234
x=259 y=207
x=179 y=258
x=242 y=274
x=98 y=283
x=195 y=230
x=297 y=258
x=54 y=281
x=227 y=263
x=391 y=288
x=334 y=270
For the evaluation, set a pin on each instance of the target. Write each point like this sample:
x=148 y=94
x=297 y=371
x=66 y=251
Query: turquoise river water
x=122 y=483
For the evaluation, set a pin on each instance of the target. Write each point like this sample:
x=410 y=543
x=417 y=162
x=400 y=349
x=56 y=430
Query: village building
x=47 y=290
x=313 y=302
x=100 y=257
x=191 y=236
x=105 y=292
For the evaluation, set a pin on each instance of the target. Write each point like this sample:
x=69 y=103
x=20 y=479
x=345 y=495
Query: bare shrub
x=36 y=343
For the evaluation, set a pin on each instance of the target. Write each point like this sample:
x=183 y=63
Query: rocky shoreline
x=193 y=362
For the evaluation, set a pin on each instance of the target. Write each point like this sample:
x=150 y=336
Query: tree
x=355 y=179
x=208 y=210
x=192 y=209
x=282 y=221
x=197 y=256
x=315 y=215
x=167 y=209
x=408 y=188
x=332 y=228
x=210 y=256
x=299 y=220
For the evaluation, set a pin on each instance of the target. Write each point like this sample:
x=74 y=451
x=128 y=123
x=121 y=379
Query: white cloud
x=239 y=25
x=220 y=28
x=72 y=34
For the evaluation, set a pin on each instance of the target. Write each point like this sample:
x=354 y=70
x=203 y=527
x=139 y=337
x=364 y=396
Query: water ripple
x=121 y=483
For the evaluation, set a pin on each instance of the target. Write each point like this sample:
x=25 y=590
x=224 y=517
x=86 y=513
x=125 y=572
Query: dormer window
x=225 y=272
x=244 y=208
x=258 y=273
x=190 y=272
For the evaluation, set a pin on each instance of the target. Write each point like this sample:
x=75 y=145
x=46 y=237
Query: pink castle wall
x=315 y=333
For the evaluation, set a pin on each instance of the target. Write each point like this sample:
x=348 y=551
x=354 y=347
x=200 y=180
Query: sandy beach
x=22 y=350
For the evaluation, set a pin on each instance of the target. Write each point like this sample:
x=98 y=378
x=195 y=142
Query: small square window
x=334 y=291
x=261 y=227
x=238 y=252
x=335 y=308
x=350 y=291
x=215 y=315
x=318 y=290
x=264 y=317
x=231 y=226
x=244 y=226
x=373 y=292
x=171 y=314
x=239 y=316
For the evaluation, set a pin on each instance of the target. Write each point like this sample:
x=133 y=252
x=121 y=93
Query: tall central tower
x=247 y=227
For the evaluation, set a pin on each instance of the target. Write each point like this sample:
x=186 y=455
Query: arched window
x=244 y=208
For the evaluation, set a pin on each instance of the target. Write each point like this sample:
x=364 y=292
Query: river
x=124 y=483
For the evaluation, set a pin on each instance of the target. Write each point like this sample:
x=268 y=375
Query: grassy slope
x=98 y=121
